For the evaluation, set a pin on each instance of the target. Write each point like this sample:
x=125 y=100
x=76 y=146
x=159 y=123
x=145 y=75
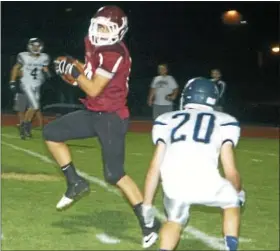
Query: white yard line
x=107 y=239
x=12 y=136
x=34 y=154
x=9 y=136
x=210 y=241
x=257 y=160
x=258 y=153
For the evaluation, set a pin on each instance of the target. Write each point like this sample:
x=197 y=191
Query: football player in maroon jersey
x=105 y=81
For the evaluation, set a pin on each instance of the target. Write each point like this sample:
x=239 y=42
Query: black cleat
x=150 y=234
x=73 y=193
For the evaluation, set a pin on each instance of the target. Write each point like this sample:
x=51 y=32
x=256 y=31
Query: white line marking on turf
x=212 y=242
x=106 y=239
x=244 y=239
x=34 y=154
x=10 y=136
x=257 y=160
x=2 y=236
x=137 y=154
x=80 y=151
x=99 y=182
x=259 y=153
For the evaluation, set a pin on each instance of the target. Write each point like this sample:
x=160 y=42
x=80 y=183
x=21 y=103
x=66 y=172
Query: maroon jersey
x=112 y=62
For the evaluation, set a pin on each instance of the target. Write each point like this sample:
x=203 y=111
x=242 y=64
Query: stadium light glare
x=275 y=49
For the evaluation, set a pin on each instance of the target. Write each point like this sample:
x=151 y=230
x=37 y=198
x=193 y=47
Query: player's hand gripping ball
x=69 y=69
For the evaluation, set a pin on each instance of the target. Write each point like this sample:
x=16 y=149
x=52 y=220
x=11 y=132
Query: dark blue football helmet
x=199 y=91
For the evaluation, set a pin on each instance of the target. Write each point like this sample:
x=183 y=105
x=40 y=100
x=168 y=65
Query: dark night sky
x=189 y=36
x=179 y=22
x=191 y=20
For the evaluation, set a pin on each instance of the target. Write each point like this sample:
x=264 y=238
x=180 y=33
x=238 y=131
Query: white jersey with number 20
x=193 y=139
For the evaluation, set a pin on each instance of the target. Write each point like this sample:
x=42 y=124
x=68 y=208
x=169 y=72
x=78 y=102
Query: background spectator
x=216 y=76
x=164 y=90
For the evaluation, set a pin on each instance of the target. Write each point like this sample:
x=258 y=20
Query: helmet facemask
x=103 y=32
x=38 y=47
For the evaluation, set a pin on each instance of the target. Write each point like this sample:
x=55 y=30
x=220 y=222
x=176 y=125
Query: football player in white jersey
x=189 y=143
x=32 y=67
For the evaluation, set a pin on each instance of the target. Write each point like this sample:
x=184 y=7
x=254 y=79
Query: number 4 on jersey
x=33 y=73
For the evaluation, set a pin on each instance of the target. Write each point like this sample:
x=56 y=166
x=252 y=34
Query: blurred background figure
x=216 y=76
x=32 y=69
x=163 y=91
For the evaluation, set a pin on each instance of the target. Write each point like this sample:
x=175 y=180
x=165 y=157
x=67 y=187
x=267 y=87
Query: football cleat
x=27 y=129
x=150 y=234
x=73 y=193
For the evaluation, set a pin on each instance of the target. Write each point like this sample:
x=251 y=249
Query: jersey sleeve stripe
x=100 y=59
x=228 y=140
x=160 y=140
x=231 y=124
x=159 y=123
x=104 y=73
x=116 y=66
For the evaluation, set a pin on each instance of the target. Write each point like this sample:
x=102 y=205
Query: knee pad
x=177 y=211
x=113 y=174
x=50 y=133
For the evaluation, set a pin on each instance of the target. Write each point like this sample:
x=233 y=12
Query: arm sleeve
x=173 y=83
x=46 y=61
x=109 y=64
x=20 y=59
x=230 y=130
x=222 y=85
x=153 y=84
x=160 y=131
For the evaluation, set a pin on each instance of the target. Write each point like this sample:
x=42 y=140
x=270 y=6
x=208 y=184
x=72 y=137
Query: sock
x=138 y=212
x=22 y=125
x=70 y=173
x=163 y=250
x=27 y=126
x=231 y=243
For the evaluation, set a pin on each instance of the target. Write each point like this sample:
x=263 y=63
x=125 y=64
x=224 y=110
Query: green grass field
x=31 y=222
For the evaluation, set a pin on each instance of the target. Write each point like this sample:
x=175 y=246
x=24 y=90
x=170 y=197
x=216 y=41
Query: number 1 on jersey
x=203 y=120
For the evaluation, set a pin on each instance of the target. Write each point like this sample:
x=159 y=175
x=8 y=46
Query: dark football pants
x=109 y=128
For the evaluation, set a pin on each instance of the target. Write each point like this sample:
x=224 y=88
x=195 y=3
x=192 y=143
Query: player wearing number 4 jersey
x=32 y=68
x=188 y=145
x=104 y=80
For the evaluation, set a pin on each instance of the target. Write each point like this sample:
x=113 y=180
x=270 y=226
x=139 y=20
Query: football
x=67 y=77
